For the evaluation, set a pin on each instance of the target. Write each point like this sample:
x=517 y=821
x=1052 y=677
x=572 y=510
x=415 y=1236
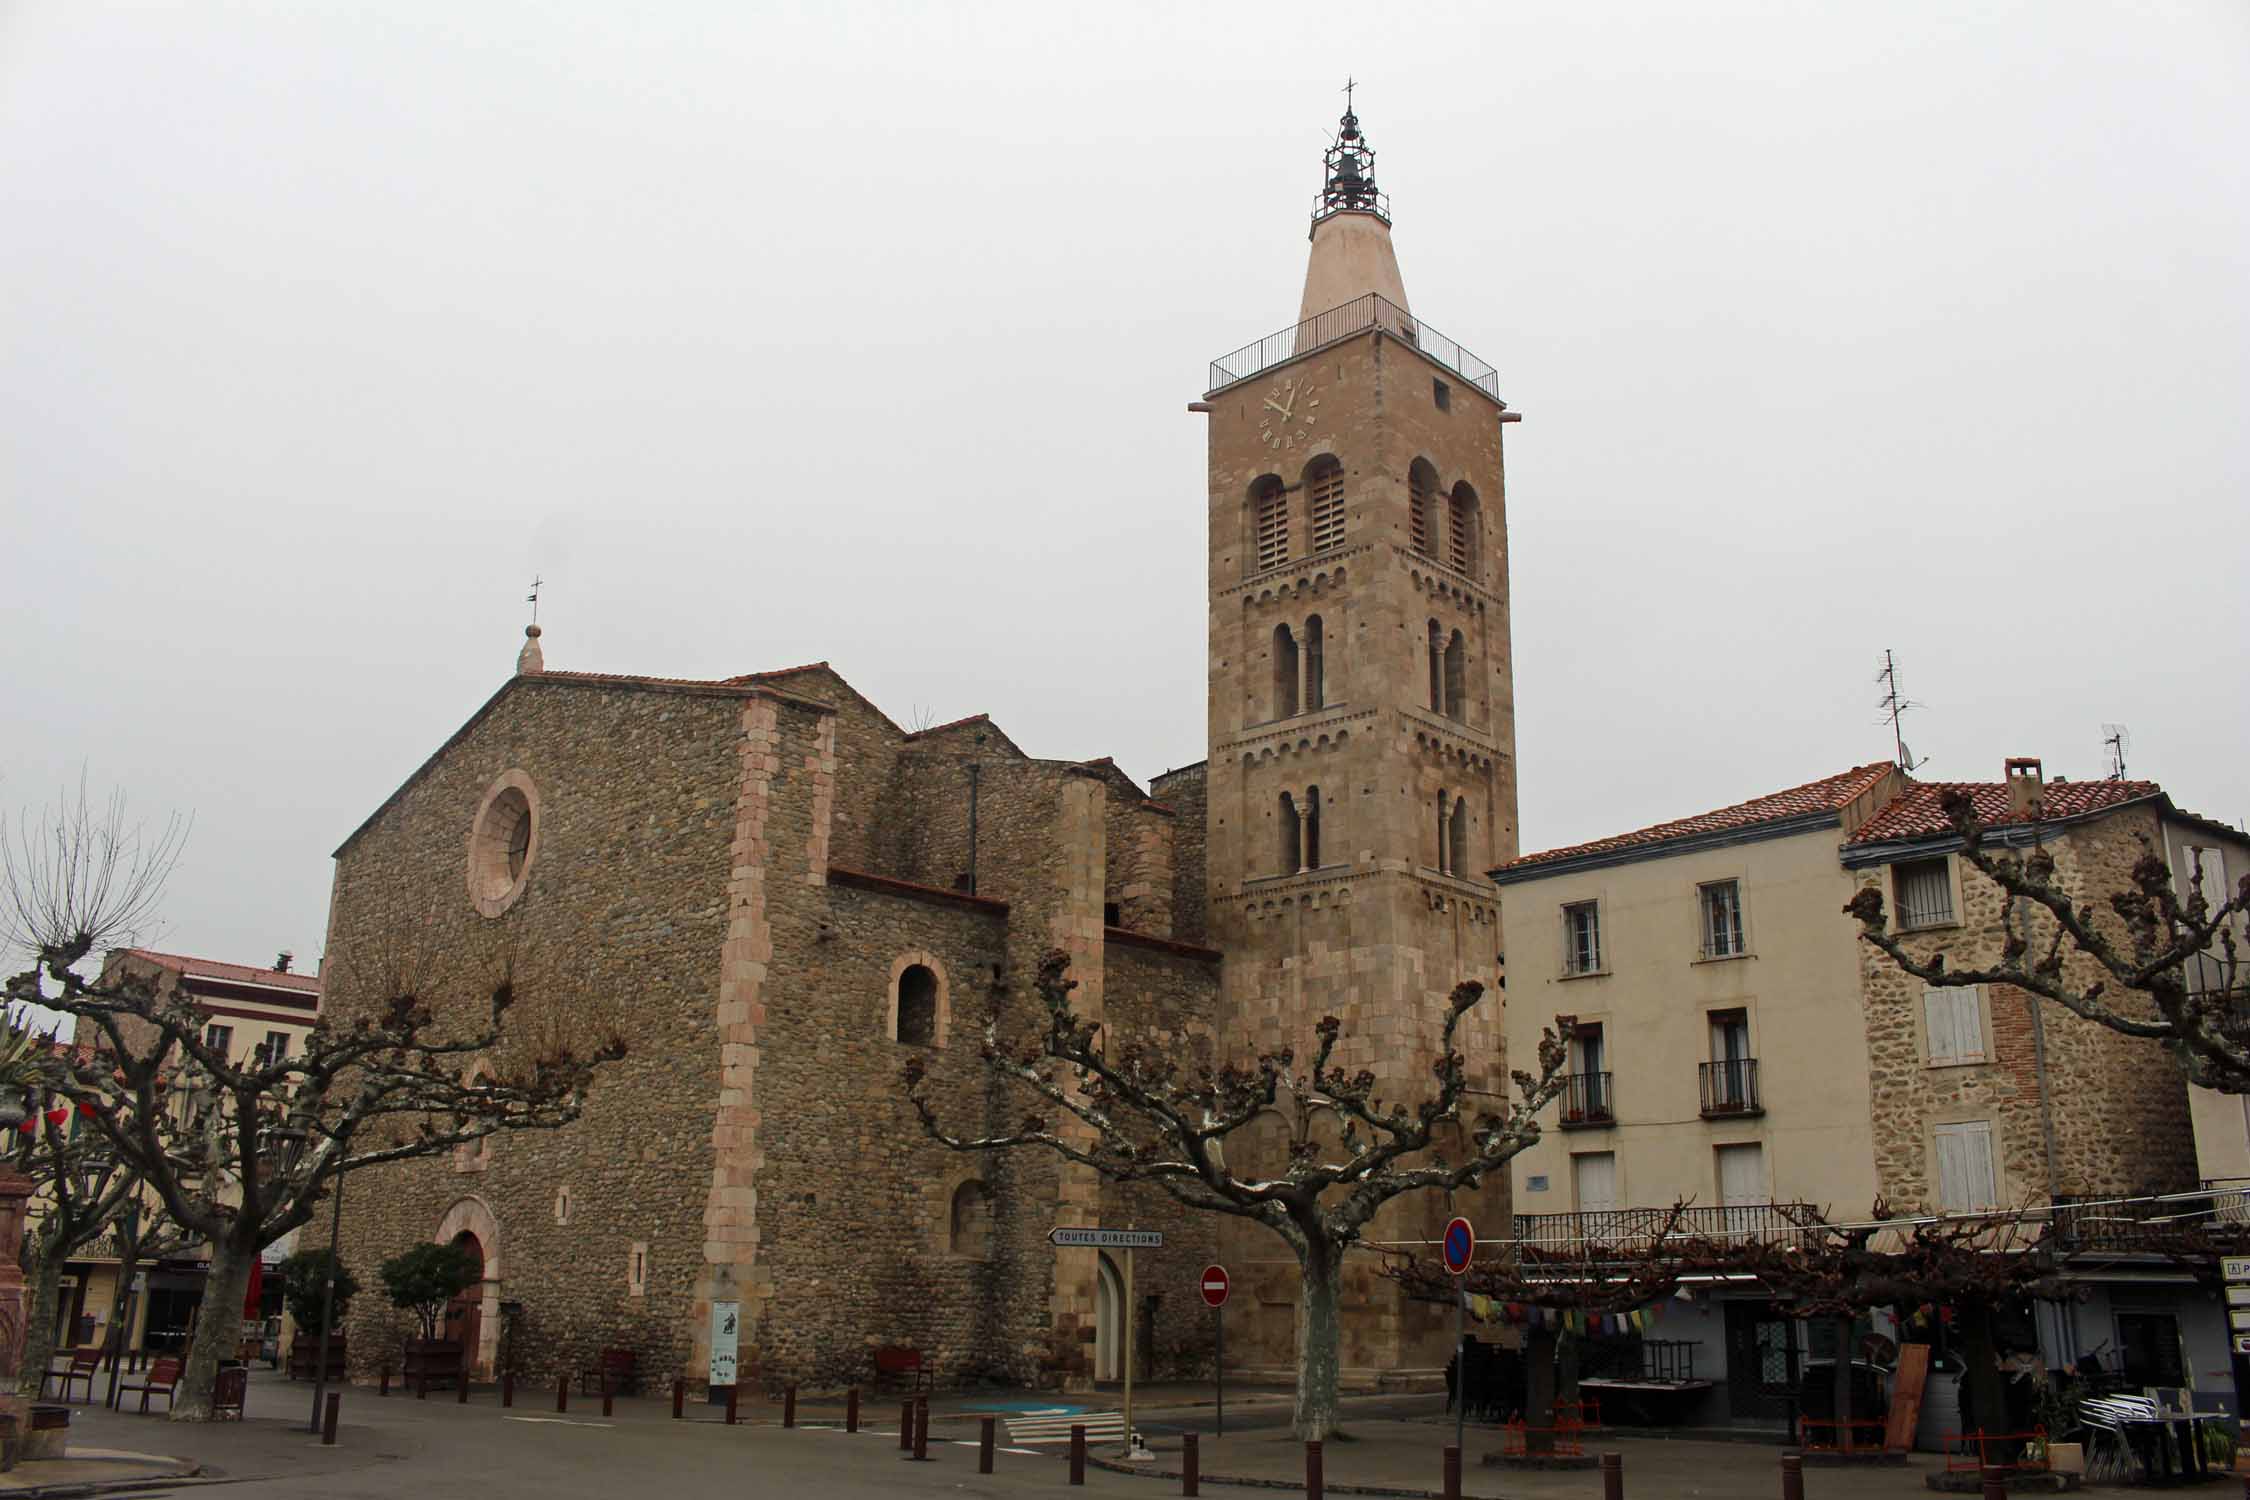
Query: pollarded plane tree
x=2178 y=951
x=240 y=1151
x=1144 y=1114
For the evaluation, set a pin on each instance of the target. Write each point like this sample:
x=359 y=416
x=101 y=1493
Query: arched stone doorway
x=474 y=1316
x=464 y=1315
x=1109 y=1320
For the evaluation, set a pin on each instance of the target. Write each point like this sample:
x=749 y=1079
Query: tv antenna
x=1895 y=706
x=2116 y=739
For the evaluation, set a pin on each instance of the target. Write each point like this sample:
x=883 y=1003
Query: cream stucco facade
x=1800 y=1113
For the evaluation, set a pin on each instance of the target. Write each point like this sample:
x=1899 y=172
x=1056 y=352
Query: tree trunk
x=1319 y=1353
x=1842 y=1411
x=41 y=1299
x=1539 y=1389
x=218 y=1331
x=1987 y=1402
x=1568 y=1347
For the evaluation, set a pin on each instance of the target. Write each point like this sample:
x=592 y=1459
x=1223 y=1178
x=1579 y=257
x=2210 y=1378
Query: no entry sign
x=1460 y=1245
x=1215 y=1285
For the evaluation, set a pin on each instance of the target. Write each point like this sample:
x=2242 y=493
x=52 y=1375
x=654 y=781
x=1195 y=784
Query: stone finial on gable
x=529 y=659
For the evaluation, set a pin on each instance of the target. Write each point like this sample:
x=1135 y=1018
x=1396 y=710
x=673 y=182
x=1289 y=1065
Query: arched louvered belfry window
x=1457 y=840
x=1292 y=836
x=1269 y=523
x=1324 y=501
x=1316 y=669
x=1457 y=676
x=1284 y=672
x=1463 y=534
x=1437 y=669
x=1312 y=828
x=1421 y=507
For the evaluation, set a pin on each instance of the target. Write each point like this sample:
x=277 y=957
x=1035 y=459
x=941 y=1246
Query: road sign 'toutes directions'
x=1108 y=1239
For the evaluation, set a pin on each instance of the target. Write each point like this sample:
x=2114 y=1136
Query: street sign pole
x=1131 y=1318
x=1219 y=1372
x=1458 y=1248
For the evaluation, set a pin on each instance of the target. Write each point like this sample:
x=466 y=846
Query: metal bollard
x=1792 y=1476
x=679 y=1396
x=906 y=1426
x=508 y=1388
x=562 y=1393
x=851 y=1410
x=985 y=1431
x=1995 y=1482
x=461 y=1393
x=1452 y=1472
x=1613 y=1476
x=422 y=1387
x=1191 y=1464
x=789 y=1406
x=385 y=1388
x=734 y=1398
x=1312 y=1470
x=328 y=1419
x=922 y=1429
x=1078 y=1453
x=608 y=1397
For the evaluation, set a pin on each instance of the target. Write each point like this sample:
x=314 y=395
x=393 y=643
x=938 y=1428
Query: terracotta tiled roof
x=1916 y=814
x=950 y=724
x=1829 y=794
x=211 y=968
x=810 y=666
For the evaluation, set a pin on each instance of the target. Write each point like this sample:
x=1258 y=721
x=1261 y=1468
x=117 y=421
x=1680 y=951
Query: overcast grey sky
x=777 y=333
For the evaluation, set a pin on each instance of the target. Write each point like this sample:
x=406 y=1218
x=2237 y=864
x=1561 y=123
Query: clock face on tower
x=1289 y=411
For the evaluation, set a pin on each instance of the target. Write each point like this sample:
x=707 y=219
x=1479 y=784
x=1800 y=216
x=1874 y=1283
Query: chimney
x=2024 y=784
x=283 y=960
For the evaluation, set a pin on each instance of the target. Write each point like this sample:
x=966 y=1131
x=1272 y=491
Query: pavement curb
x=72 y=1489
x=1293 y=1486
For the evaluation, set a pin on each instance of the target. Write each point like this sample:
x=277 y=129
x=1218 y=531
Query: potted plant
x=422 y=1281
x=304 y=1282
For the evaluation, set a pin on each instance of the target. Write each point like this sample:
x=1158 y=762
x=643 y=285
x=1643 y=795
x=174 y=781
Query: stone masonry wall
x=621 y=918
x=1186 y=792
x=2118 y=1106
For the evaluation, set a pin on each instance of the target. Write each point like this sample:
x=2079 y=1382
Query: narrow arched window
x=1284 y=672
x=1316 y=685
x=1437 y=669
x=971 y=1226
x=1324 y=502
x=917 y=1005
x=1312 y=828
x=1292 y=836
x=1269 y=507
x=1456 y=676
x=1421 y=507
x=1457 y=840
x=1443 y=865
x=1462 y=537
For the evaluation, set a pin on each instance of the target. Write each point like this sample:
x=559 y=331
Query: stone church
x=778 y=893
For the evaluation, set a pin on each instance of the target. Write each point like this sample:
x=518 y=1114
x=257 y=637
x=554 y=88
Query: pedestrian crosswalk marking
x=1054 y=1426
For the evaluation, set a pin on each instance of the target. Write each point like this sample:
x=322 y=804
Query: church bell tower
x=1362 y=731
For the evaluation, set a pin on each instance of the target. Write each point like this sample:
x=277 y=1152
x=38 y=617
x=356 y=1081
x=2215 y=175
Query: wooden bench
x=49 y=1436
x=614 y=1372
x=163 y=1376
x=83 y=1363
x=903 y=1362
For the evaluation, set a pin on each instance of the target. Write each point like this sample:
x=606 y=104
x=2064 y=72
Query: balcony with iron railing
x=1586 y=1101
x=1629 y=1229
x=1338 y=323
x=2171 y=1223
x=1730 y=1088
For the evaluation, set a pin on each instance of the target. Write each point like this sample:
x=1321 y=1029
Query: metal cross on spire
x=532 y=598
